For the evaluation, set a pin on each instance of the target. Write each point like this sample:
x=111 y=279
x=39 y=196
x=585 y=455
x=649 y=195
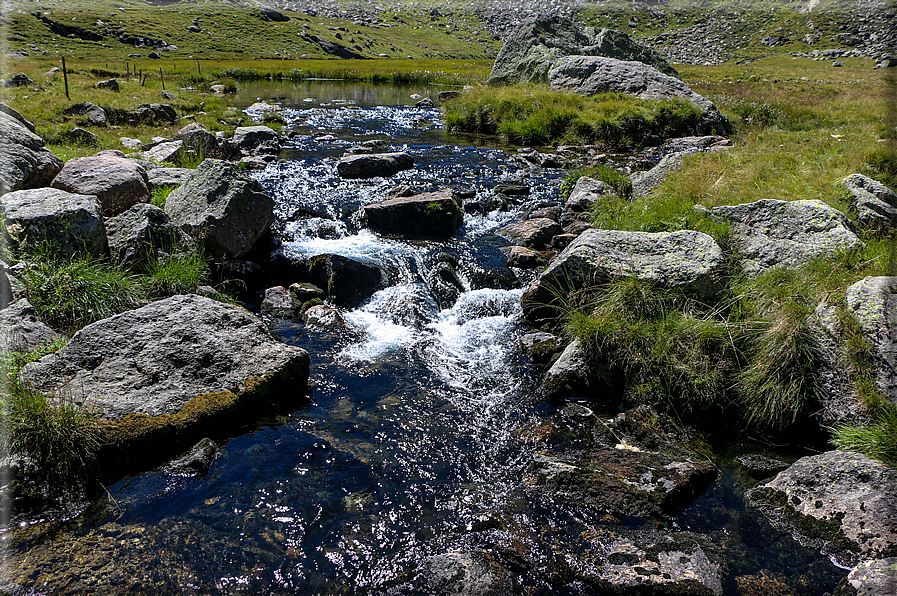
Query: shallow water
x=409 y=445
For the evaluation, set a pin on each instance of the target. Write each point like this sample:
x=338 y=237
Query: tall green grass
x=58 y=434
x=534 y=115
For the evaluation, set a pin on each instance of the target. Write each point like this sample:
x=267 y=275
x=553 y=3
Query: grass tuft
x=176 y=274
x=70 y=293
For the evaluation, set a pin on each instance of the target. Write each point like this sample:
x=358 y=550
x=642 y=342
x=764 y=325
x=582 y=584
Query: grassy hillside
x=109 y=30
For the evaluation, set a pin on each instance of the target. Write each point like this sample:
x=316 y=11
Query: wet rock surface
x=347 y=282
x=844 y=504
x=426 y=215
x=195 y=462
x=771 y=233
x=67 y=221
x=374 y=165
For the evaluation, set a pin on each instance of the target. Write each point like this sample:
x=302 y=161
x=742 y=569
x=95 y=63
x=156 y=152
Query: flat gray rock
x=70 y=223
x=771 y=233
x=155 y=359
x=430 y=214
x=674 y=563
x=225 y=205
x=685 y=260
x=21 y=330
x=117 y=182
x=844 y=504
x=591 y=75
x=874 y=302
x=25 y=162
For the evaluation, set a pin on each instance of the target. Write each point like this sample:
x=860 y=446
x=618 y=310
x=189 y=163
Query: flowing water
x=410 y=443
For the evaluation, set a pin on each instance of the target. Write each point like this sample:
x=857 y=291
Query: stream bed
x=412 y=442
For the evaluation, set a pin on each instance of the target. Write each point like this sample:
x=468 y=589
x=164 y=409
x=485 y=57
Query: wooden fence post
x=65 y=77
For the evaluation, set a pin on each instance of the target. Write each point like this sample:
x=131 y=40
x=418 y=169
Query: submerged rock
x=25 y=162
x=427 y=215
x=70 y=223
x=771 y=233
x=197 y=461
x=231 y=210
x=591 y=75
x=687 y=261
x=373 y=165
x=161 y=374
x=621 y=481
x=117 y=182
x=844 y=504
x=536 y=44
x=468 y=573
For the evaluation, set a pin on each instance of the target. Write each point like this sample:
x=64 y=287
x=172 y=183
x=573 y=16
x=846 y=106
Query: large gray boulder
x=229 y=209
x=15 y=114
x=69 y=223
x=25 y=162
x=139 y=234
x=876 y=204
x=591 y=75
x=874 y=302
x=771 y=233
x=373 y=165
x=117 y=182
x=156 y=359
x=844 y=504
x=201 y=142
x=686 y=260
x=21 y=330
x=539 y=42
x=430 y=214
